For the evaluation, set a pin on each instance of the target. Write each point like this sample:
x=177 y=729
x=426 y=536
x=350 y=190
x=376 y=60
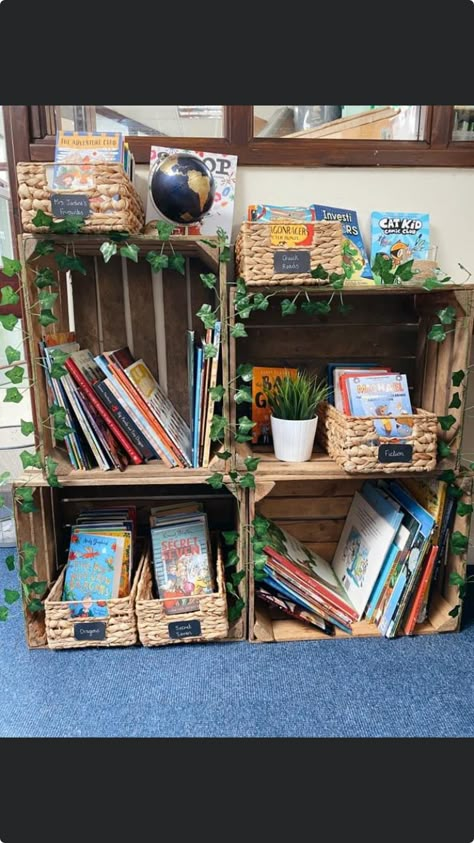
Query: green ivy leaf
x=178 y=263
x=8 y=321
x=230 y=589
x=70 y=225
x=41 y=219
x=259 y=575
x=27 y=571
x=320 y=307
x=10 y=268
x=50 y=468
x=47 y=299
x=245 y=371
x=437 y=333
x=209 y=350
x=44 y=247
x=257 y=544
x=259 y=561
x=3 y=613
x=247 y=481
x=455 y=401
x=245 y=424
x=454 y=612
x=28 y=506
x=61 y=431
x=210 y=243
x=4 y=477
x=238 y=330
x=405 y=271
x=447 y=315
x=288 y=307
x=119 y=236
x=69 y=263
x=10 y=562
x=458 y=377
x=241 y=437
x=16 y=374
x=241 y=287
x=207 y=316
x=261 y=302
x=35 y=606
x=235 y=611
x=337 y=281
x=209 y=280
x=243 y=308
x=164 y=229
x=216 y=480
x=233 y=475
x=243 y=395
x=157 y=262
x=432 y=284
x=216 y=393
x=444 y=450
x=232 y=559
x=12 y=354
x=223 y=455
x=29 y=552
x=57 y=371
x=448 y=476
x=8 y=296
x=57 y=413
x=237 y=578
x=45 y=278
x=38 y=587
x=446 y=422
x=230 y=536
x=260 y=525
x=319 y=272
x=12 y=396
x=456 y=579
x=10 y=596
x=459 y=543
x=47 y=317
x=224 y=255
x=29 y=460
x=218 y=425
x=27 y=427
x=108 y=250
x=455 y=492
x=251 y=463
x=130 y=251
x=463 y=509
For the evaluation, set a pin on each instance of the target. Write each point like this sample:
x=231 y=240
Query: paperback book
x=400 y=237
x=182 y=563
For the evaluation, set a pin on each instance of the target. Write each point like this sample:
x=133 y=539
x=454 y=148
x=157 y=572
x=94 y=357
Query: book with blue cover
x=400 y=237
x=386 y=396
x=355 y=262
x=199 y=366
x=93 y=573
x=182 y=563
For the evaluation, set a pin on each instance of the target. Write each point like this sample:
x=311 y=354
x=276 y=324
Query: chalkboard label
x=395 y=453
x=292 y=261
x=90 y=631
x=70 y=205
x=184 y=629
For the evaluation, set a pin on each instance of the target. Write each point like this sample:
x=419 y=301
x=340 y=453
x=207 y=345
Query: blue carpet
x=414 y=687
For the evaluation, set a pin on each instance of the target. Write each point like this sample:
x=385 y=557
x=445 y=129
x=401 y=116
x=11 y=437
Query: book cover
x=344 y=365
x=182 y=564
x=291 y=608
x=287 y=588
x=397 y=546
x=274 y=213
x=361 y=551
x=339 y=398
x=76 y=153
x=195 y=188
x=355 y=262
x=126 y=562
x=92 y=576
x=386 y=396
x=264 y=377
x=414 y=610
x=124 y=421
x=399 y=236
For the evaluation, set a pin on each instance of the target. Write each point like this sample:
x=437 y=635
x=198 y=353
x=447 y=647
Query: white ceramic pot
x=293 y=440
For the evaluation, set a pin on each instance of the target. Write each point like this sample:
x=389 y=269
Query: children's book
x=92 y=573
x=264 y=378
x=210 y=405
x=77 y=152
x=355 y=262
x=400 y=237
x=182 y=563
x=274 y=213
x=198 y=373
x=419 y=595
x=386 y=396
x=287 y=588
x=279 y=602
x=340 y=399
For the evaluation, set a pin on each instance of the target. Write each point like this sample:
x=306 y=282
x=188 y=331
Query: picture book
x=386 y=396
x=399 y=236
x=431 y=494
x=423 y=586
x=92 y=574
x=398 y=545
x=77 y=152
x=182 y=563
x=264 y=378
x=283 y=604
x=355 y=262
x=310 y=602
x=340 y=399
x=126 y=563
x=273 y=213
x=363 y=545
x=344 y=366
x=211 y=184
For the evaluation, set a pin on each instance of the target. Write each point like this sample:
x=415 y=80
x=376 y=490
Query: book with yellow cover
x=264 y=378
x=77 y=152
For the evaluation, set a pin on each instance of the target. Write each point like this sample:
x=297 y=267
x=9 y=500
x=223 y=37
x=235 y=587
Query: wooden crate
x=314 y=511
x=387 y=326
x=123 y=303
x=47 y=528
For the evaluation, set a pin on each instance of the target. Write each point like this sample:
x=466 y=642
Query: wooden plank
x=142 y=314
x=175 y=303
x=315 y=488
x=111 y=303
x=383 y=310
x=84 y=295
x=313 y=531
x=310 y=507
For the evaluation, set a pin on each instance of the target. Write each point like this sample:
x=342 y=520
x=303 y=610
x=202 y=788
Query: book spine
x=412 y=619
x=147 y=433
x=204 y=396
x=210 y=403
x=95 y=437
x=110 y=422
x=197 y=406
x=72 y=391
x=124 y=421
x=412 y=582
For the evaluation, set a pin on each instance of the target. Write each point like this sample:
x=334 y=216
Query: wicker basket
x=63 y=631
x=115 y=204
x=355 y=445
x=156 y=628
x=263 y=249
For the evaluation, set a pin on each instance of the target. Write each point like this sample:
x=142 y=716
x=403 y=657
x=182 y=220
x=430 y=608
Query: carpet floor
x=413 y=687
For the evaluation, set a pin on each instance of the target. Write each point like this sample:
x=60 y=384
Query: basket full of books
x=92 y=603
x=92 y=177
x=372 y=427
x=181 y=594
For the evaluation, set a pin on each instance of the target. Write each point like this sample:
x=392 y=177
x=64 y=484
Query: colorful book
x=198 y=370
x=355 y=262
x=289 y=607
x=415 y=608
x=340 y=397
x=264 y=378
x=287 y=588
x=400 y=237
x=210 y=403
x=92 y=574
x=182 y=564
x=190 y=353
x=124 y=420
x=206 y=370
x=76 y=153
x=386 y=396
x=275 y=213
x=398 y=545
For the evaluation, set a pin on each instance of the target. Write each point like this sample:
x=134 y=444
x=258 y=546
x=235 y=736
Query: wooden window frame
x=32 y=136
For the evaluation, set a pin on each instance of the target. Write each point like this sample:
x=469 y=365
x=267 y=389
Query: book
x=361 y=550
x=264 y=377
x=198 y=373
x=340 y=399
x=124 y=421
x=92 y=574
x=400 y=236
x=309 y=602
x=223 y=171
x=270 y=213
x=399 y=542
x=418 y=598
x=206 y=370
x=355 y=263
x=386 y=396
x=289 y=607
x=182 y=564
x=125 y=564
x=76 y=153
x=344 y=365
x=190 y=353
x=210 y=403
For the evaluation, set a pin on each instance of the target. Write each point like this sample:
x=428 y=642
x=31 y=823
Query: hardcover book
x=400 y=237
x=264 y=377
x=289 y=607
x=182 y=563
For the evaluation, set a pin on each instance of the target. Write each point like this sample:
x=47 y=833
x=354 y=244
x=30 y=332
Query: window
x=204 y=121
x=339 y=122
x=463 y=125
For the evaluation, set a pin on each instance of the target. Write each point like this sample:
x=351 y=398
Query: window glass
x=463 y=126
x=340 y=122
x=168 y=120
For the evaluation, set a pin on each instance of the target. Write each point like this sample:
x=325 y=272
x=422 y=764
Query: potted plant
x=293 y=402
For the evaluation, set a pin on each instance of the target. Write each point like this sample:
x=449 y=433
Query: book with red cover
x=80 y=363
x=289 y=607
x=344 y=391
x=414 y=610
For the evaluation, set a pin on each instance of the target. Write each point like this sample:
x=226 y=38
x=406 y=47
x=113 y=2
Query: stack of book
x=389 y=557
x=115 y=411
x=202 y=378
x=100 y=560
x=182 y=557
x=77 y=153
x=366 y=389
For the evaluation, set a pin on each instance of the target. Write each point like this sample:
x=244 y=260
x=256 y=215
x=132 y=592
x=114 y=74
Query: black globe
x=182 y=188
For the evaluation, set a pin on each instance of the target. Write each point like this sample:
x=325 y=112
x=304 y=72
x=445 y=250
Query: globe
x=182 y=188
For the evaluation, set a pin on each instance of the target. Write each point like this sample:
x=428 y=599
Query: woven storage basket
x=114 y=202
x=120 y=625
x=260 y=247
x=155 y=627
x=354 y=444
